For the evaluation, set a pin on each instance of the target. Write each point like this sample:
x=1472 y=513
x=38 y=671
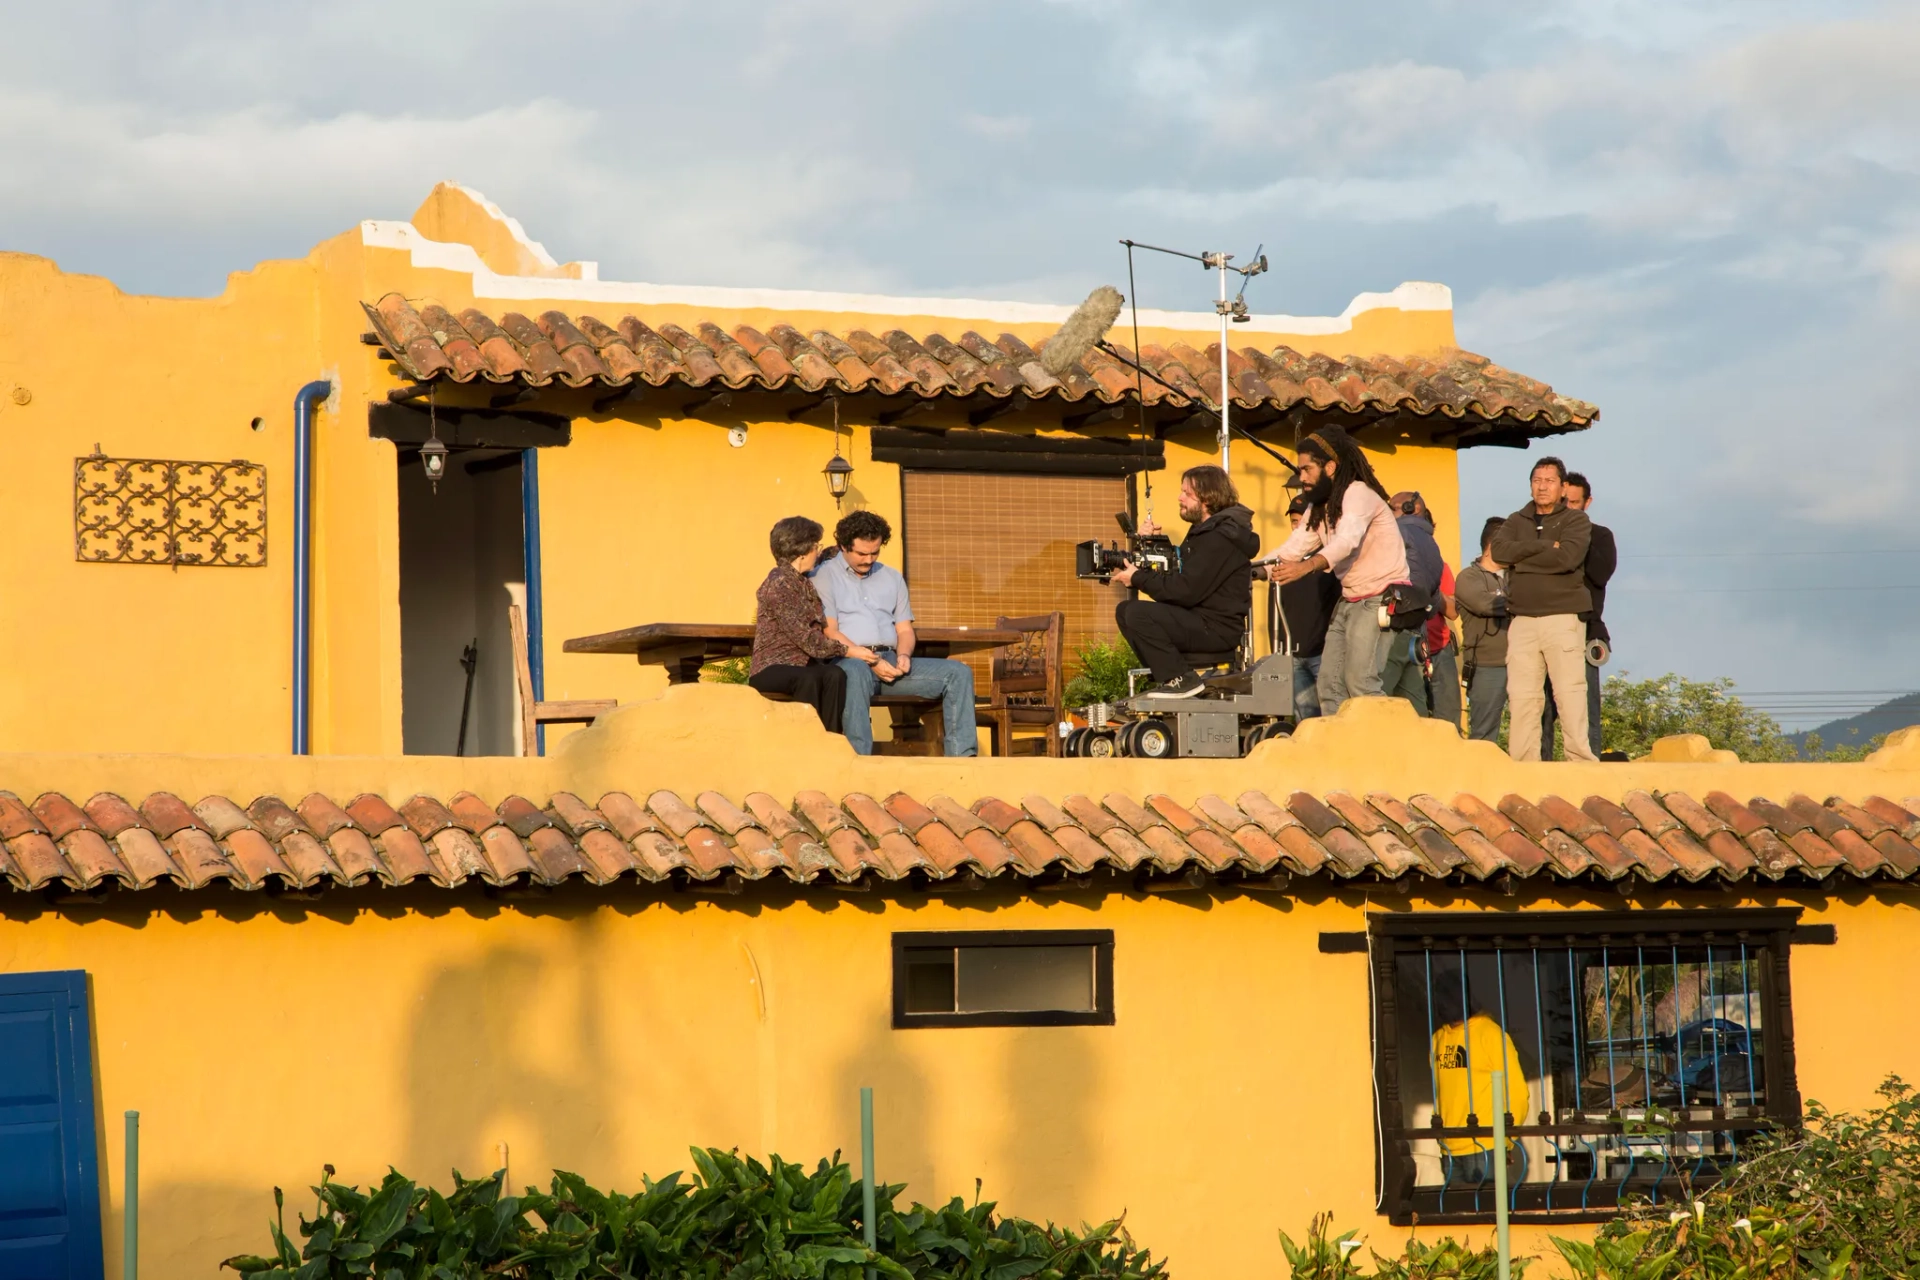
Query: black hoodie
x=1216 y=570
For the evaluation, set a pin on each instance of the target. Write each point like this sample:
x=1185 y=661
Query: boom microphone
x=1084 y=328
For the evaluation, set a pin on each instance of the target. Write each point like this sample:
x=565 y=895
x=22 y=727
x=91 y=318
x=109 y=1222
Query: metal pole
x=1500 y=1225
x=130 y=1202
x=536 y=597
x=869 y=1227
x=1226 y=390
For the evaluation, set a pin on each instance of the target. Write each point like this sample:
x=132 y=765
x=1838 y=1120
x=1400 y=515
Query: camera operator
x=1408 y=672
x=1483 y=637
x=1203 y=607
x=1350 y=533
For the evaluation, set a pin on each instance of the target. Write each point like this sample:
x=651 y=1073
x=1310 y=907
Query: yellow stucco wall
x=605 y=1030
x=143 y=658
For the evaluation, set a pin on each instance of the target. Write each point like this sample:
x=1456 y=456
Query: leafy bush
x=738 y=1219
x=1338 y=1259
x=725 y=671
x=1100 y=672
x=1839 y=1197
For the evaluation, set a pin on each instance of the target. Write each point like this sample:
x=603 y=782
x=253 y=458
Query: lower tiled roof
x=57 y=843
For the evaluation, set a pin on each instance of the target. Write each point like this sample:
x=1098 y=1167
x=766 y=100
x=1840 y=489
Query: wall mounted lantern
x=433 y=454
x=838 y=470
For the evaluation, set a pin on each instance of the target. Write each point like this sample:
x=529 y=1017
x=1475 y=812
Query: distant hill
x=1853 y=731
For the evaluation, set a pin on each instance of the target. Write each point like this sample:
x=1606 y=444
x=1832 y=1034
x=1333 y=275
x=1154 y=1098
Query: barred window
x=1642 y=1050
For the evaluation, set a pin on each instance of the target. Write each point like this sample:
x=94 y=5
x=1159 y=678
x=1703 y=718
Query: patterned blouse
x=789 y=626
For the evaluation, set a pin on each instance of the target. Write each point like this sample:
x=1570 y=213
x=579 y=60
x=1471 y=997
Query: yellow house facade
x=644 y=438
x=257 y=886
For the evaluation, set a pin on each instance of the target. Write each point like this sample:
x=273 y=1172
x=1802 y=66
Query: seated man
x=1202 y=608
x=792 y=653
x=867 y=605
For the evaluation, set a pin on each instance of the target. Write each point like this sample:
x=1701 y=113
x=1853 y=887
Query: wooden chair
x=1029 y=686
x=533 y=714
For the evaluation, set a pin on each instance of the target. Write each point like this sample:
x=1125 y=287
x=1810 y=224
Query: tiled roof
x=55 y=842
x=430 y=342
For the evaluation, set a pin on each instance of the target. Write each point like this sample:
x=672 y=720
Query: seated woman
x=791 y=652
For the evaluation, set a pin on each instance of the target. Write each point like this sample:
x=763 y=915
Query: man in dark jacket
x=1603 y=557
x=1483 y=638
x=1543 y=548
x=1203 y=607
x=1307 y=604
x=1406 y=671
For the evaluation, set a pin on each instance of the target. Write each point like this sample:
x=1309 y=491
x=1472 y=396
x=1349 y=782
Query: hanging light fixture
x=433 y=454
x=838 y=470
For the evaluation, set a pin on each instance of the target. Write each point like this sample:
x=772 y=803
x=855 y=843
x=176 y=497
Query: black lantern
x=433 y=454
x=838 y=470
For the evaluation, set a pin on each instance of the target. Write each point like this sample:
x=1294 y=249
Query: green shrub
x=1100 y=672
x=1339 y=1258
x=725 y=671
x=738 y=1219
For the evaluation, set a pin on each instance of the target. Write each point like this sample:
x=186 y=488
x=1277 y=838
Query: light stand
x=1230 y=309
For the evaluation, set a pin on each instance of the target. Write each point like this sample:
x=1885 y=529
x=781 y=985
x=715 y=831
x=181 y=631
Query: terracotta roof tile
x=320 y=843
x=428 y=343
x=59 y=816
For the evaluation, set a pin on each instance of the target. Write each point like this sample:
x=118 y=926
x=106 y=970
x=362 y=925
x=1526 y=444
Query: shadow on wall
x=511 y=1041
x=900 y=1102
x=1050 y=1141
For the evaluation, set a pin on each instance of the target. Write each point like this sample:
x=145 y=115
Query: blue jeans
x=942 y=678
x=1306 y=693
x=1355 y=652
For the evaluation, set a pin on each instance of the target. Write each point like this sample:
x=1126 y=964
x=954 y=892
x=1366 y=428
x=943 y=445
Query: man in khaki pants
x=1543 y=547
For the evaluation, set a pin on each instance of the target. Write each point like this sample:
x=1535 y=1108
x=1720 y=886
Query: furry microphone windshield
x=1084 y=328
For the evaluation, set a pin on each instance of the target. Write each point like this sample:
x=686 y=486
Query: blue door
x=49 y=1184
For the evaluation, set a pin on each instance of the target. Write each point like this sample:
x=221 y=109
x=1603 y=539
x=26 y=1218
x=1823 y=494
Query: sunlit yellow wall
x=643 y=519
x=605 y=1031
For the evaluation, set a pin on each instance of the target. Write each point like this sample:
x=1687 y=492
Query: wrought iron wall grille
x=154 y=511
x=1643 y=1050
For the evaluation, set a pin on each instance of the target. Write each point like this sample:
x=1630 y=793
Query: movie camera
x=1149 y=551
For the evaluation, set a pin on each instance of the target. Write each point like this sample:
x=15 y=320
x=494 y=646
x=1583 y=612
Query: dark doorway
x=461 y=565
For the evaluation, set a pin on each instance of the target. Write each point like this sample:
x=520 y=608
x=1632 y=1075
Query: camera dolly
x=1240 y=708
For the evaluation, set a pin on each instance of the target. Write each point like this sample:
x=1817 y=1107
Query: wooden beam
x=806 y=407
x=1106 y=413
x=629 y=392
x=707 y=403
x=520 y=396
x=897 y=415
x=418 y=391
x=1014 y=403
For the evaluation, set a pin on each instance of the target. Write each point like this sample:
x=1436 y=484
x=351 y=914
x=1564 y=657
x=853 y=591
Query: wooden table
x=684 y=647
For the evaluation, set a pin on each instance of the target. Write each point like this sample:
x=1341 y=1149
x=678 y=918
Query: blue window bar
x=1644 y=1049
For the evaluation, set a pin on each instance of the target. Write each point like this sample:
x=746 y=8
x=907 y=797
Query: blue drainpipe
x=530 y=568
x=305 y=401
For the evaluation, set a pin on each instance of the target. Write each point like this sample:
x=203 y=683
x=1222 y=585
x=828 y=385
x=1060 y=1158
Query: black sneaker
x=1181 y=686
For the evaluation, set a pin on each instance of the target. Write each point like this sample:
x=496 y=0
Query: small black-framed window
x=1003 y=978
x=1648 y=1047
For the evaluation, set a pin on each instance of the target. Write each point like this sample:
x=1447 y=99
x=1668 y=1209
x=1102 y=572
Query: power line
x=1721 y=591
x=1711 y=555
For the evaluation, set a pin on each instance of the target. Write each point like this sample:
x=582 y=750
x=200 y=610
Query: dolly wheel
x=1153 y=739
x=1075 y=745
x=1099 y=745
x=1123 y=741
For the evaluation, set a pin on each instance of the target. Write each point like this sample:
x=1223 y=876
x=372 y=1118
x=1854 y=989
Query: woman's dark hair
x=793 y=537
x=1487 y=530
x=1331 y=444
x=1212 y=486
x=857 y=526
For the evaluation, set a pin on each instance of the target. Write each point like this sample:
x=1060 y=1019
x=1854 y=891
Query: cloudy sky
x=1703 y=217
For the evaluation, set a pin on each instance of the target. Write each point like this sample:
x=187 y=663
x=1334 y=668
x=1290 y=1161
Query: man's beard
x=1321 y=491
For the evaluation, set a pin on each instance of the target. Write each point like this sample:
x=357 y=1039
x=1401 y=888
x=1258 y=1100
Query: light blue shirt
x=864 y=608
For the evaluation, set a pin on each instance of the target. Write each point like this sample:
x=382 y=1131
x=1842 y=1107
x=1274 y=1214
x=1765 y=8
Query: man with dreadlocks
x=1349 y=532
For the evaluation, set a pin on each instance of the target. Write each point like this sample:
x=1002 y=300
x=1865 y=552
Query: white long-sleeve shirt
x=1364 y=549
